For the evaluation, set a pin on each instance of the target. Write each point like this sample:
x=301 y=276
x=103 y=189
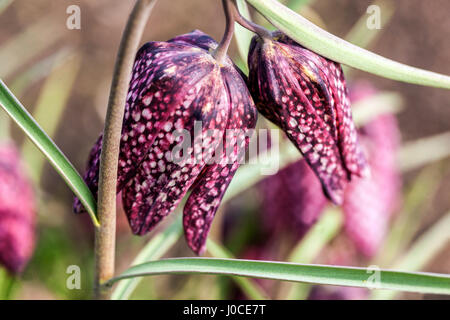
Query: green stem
x=106 y=234
x=334 y=48
x=252 y=290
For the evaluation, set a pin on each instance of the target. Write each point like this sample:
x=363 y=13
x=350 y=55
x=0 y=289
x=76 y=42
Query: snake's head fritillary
x=305 y=95
x=176 y=85
x=17 y=212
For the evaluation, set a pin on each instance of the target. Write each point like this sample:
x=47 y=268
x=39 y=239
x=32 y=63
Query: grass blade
x=57 y=159
x=154 y=250
x=422 y=251
x=248 y=287
x=318 y=274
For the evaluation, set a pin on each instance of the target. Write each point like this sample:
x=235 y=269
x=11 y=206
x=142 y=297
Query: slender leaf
x=422 y=251
x=242 y=35
x=362 y=36
x=296 y=5
x=319 y=274
x=57 y=159
x=417 y=199
x=334 y=48
x=154 y=250
x=248 y=287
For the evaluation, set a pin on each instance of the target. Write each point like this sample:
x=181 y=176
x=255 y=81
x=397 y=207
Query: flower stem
x=105 y=235
x=221 y=50
x=232 y=15
x=256 y=28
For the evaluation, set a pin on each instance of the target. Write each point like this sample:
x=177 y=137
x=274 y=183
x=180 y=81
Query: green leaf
x=296 y=5
x=242 y=35
x=53 y=154
x=310 y=246
x=334 y=48
x=252 y=290
x=425 y=150
x=318 y=274
x=154 y=250
x=422 y=251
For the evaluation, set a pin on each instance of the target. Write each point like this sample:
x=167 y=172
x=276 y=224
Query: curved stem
x=256 y=28
x=232 y=15
x=105 y=234
x=222 y=48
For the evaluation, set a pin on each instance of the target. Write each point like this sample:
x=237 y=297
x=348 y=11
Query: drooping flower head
x=306 y=96
x=178 y=90
x=292 y=199
x=17 y=212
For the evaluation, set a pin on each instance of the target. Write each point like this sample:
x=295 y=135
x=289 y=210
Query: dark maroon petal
x=210 y=187
x=163 y=74
x=196 y=38
x=161 y=183
x=306 y=96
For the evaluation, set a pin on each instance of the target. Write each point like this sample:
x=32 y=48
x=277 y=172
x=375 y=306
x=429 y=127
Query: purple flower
x=174 y=85
x=306 y=96
x=17 y=212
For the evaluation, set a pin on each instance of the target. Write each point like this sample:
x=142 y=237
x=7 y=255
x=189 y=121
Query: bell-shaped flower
x=306 y=96
x=292 y=199
x=187 y=122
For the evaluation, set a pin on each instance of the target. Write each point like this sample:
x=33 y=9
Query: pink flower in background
x=17 y=212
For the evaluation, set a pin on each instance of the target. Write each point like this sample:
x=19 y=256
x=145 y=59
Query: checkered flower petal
x=17 y=212
x=213 y=182
x=180 y=103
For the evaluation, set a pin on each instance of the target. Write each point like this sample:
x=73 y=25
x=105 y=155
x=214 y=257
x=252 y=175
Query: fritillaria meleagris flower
x=17 y=212
x=306 y=96
x=292 y=197
x=369 y=203
x=174 y=85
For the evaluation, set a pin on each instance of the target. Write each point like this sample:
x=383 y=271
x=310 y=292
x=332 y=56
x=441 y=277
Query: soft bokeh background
x=35 y=43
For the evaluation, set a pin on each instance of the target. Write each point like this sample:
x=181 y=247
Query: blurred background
x=63 y=76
